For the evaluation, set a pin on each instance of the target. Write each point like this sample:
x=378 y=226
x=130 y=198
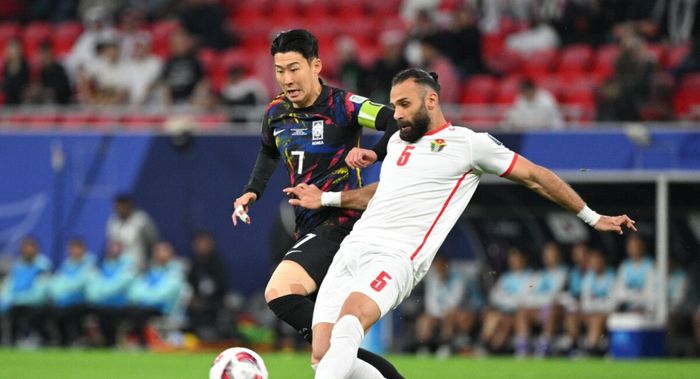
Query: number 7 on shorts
x=379 y=282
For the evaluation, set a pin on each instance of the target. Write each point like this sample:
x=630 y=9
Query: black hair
x=419 y=76
x=527 y=85
x=124 y=198
x=77 y=240
x=297 y=40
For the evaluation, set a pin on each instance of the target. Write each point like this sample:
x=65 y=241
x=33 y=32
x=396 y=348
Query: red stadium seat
x=384 y=8
x=553 y=84
x=657 y=53
x=34 y=34
x=64 y=37
x=161 y=32
x=538 y=63
x=479 y=89
x=317 y=10
x=605 y=61
x=676 y=55
x=507 y=90
x=575 y=59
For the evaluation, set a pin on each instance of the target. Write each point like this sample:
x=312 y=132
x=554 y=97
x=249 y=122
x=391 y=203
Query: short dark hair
x=124 y=198
x=419 y=76
x=297 y=40
x=527 y=85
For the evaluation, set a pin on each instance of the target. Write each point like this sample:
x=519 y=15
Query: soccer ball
x=238 y=363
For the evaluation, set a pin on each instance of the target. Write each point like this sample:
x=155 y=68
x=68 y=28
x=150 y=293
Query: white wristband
x=331 y=199
x=589 y=216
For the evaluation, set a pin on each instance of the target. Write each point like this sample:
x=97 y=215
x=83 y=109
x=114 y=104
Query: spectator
x=464 y=42
x=541 y=36
x=540 y=307
x=679 y=312
x=572 y=299
x=634 y=289
x=243 y=89
x=505 y=298
x=434 y=61
x=534 y=107
x=351 y=73
x=445 y=288
x=691 y=62
x=622 y=96
x=98 y=27
x=15 y=74
x=108 y=289
x=131 y=31
x=208 y=279
x=183 y=76
x=144 y=68
x=54 y=86
x=389 y=64
x=67 y=291
x=205 y=20
x=133 y=228
x=158 y=291
x=105 y=82
x=597 y=301
x=24 y=291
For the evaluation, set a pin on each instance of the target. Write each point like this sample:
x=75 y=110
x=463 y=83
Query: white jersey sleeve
x=489 y=155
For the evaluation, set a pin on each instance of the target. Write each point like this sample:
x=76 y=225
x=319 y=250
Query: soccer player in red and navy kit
x=315 y=130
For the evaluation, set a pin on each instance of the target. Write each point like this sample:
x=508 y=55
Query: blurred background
x=127 y=129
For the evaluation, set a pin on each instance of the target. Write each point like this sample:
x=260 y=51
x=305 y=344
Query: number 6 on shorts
x=379 y=283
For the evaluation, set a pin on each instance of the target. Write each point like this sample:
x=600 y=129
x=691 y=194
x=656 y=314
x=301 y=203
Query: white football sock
x=346 y=337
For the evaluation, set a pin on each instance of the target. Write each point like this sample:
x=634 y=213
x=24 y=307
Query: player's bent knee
x=363 y=307
x=289 y=278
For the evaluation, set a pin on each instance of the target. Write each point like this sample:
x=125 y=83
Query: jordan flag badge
x=437 y=145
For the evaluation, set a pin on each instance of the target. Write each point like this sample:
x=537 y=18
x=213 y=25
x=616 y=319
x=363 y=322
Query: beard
x=412 y=130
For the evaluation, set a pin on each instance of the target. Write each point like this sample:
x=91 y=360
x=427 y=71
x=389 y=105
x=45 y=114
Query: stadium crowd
x=522 y=64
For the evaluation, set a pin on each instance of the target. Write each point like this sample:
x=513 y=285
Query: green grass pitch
x=59 y=364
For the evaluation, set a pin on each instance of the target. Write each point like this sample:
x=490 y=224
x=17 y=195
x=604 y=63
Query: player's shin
x=341 y=356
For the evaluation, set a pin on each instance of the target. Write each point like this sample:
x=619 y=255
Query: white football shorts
x=385 y=277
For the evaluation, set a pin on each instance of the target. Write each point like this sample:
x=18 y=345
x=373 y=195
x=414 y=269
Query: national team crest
x=437 y=145
x=317 y=132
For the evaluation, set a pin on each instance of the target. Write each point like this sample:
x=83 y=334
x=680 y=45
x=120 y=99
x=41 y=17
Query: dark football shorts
x=315 y=250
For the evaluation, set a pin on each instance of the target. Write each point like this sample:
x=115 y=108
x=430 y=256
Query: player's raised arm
x=265 y=166
x=549 y=185
x=311 y=197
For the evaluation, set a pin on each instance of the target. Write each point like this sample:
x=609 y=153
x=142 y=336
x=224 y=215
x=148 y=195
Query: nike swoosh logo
x=292 y=251
x=277 y=131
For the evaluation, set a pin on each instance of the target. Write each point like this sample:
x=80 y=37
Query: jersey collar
x=430 y=133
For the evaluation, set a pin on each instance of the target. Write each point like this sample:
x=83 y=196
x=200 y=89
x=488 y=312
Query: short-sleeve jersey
x=313 y=143
x=424 y=188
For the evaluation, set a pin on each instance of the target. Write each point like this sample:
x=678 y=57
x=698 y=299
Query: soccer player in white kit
x=430 y=173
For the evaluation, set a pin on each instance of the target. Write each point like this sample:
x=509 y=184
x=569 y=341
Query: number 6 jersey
x=424 y=188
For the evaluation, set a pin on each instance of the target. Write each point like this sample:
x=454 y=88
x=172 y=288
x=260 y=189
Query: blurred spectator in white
x=67 y=291
x=634 y=289
x=133 y=228
x=158 y=291
x=507 y=295
x=109 y=7
x=108 y=290
x=98 y=27
x=534 y=108
x=243 y=89
x=432 y=60
x=144 y=69
x=597 y=301
x=15 y=73
x=571 y=301
x=183 y=76
x=132 y=27
x=540 y=307
x=541 y=36
x=53 y=86
x=24 y=292
x=351 y=74
x=622 y=96
x=106 y=80
x=445 y=287
x=208 y=278
x=389 y=64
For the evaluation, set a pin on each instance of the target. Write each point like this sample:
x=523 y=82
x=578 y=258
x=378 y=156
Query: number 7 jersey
x=313 y=143
x=424 y=188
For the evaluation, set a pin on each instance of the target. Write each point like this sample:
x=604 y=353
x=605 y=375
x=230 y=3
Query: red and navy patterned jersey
x=313 y=143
